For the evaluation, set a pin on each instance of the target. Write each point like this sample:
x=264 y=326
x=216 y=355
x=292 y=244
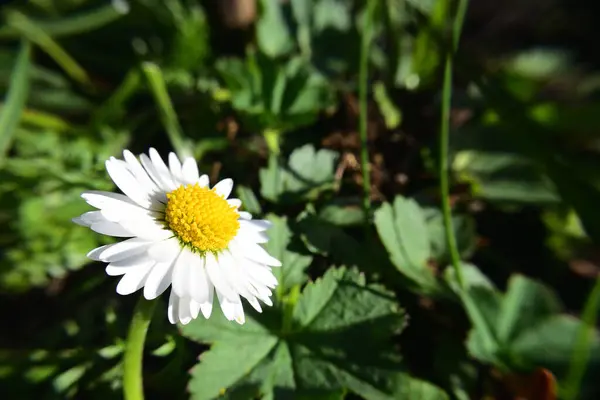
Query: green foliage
x=528 y=327
x=274 y=96
x=274 y=106
x=315 y=354
x=306 y=175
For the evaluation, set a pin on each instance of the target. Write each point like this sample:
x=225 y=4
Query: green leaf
x=342 y=215
x=464 y=231
x=504 y=177
x=249 y=201
x=403 y=231
x=272 y=33
x=271 y=95
x=16 y=98
x=391 y=113
x=294 y=265
x=318 y=356
x=529 y=329
x=307 y=173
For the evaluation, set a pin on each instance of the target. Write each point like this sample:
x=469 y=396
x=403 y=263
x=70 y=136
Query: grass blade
x=16 y=97
x=168 y=117
x=76 y=24
x=37 y=35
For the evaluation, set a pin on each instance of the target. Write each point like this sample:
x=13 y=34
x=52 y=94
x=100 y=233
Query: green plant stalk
x=76 y=24
x=444 y=170
x=168 y=117
x=133 y=388
x=363 y=76
x=581 y=350
x=37 y=35
x=272 y=138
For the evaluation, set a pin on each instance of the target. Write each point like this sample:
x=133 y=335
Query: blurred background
x=254 y=89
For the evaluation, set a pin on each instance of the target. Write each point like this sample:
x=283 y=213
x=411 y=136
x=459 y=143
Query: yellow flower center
x=201 y=218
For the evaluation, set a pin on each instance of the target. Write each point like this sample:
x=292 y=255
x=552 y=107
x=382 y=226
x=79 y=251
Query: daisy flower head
x=180 y=232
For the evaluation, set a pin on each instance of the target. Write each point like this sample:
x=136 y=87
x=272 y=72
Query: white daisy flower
x=182 y=234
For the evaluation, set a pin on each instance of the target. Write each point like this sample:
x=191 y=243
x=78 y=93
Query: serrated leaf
x=403 y=231
x=293 y=264
x=315 y=355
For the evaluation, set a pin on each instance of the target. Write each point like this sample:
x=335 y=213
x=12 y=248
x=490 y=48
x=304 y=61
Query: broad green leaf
x=249 y=201
x=307 y=173
x=526 y=303
x=328 y=239
x=403 y=231
x=342 y=215
x=464 y=231
x=294 y=264
x=15 y=98
x=504 y=177
x=316 y=356
x=529 y=329
x=272 y=32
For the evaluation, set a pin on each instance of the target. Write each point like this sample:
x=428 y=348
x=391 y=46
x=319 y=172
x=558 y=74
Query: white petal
x=173 y=308
x=190 y=171
x=119 y=251
x=110 y=229
x=216 y=276
x=182 y=273
x=163 y=182
x=259 y=225
x=224 y=187
x=194 y=308
x=161 y=168
x=198 y=281
x=251 y=235
x=121 y=267
x=237 y=203
x=107 y=200
x=147 y=229
x=184 y=311
x=125 y=181
x=232 y=310
x=165 y=251
x=203 y=181
x=207 y=307
x=245 y=215
x=88 y=218
x=140 y=173
x=159 y=279
x=175 y=168
x=261 y=275
x=255 y=304
x=133 y=280
x=254 y=252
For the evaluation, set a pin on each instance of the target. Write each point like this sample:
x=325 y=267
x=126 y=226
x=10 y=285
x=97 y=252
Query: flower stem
x=133 y=388
x=363 y=76
x=470 y=305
